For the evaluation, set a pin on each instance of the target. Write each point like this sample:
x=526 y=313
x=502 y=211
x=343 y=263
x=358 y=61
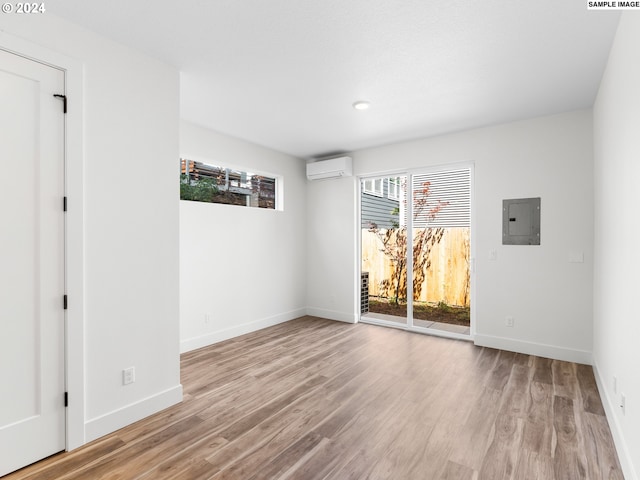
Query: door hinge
x=64 y=101
x=66 y=399
x=64 y=204
x=64 y=301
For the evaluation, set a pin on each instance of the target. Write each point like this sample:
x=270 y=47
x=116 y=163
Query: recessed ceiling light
x=361 y=105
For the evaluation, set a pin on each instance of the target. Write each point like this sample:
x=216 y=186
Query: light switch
x=576 y=257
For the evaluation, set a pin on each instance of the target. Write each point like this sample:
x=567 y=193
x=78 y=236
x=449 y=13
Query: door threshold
x=425 y=331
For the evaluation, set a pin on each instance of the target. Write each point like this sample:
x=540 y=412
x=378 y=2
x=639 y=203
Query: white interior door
x=32 y=413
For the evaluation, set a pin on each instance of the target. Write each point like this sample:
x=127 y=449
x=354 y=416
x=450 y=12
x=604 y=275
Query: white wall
x=130 y=135
x=332 y=281
x=244 y=267
x=617 y=170
x=549 y=157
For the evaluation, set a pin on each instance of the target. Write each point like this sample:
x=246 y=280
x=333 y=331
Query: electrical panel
x=521 y=221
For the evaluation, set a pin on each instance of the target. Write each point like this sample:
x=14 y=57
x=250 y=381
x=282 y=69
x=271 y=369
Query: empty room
x=319 y=240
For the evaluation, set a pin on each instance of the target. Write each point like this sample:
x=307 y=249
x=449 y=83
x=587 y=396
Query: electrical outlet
x=623 y=403
x=207 y=318
x=493 y=255
x=615 y=384
x=128 y=375
x=508 y=321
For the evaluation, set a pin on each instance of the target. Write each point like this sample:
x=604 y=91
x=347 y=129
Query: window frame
x=395 y=181
x=373 y=190
x=278 y=193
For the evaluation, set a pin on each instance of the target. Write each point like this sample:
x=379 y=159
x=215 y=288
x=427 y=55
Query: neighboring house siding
x=453 y=188
x=379 y=210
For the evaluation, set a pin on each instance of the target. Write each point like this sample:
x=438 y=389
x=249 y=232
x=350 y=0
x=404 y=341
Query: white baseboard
x=538 y=349
x=610 y=408
x=332 y=315
x=112 y=421
x=237 y=330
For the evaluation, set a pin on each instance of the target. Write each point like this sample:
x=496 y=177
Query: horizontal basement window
x=202 y=182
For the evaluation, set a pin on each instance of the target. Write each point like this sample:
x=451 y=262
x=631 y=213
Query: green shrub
x=201 y=190
x=444 y=307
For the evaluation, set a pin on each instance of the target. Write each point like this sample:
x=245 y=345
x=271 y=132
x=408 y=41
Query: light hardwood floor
x=315 y=399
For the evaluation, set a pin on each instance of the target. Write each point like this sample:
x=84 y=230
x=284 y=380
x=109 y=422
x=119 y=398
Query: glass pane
x=441 y=250
x=384 y=254
x=201 y=182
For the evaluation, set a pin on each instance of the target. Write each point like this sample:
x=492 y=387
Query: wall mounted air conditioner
x=330 y=168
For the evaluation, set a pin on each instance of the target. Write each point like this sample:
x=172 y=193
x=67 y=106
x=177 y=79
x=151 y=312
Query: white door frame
x=409 y=173
x=74 y=228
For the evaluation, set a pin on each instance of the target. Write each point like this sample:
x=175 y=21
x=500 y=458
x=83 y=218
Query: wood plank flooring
x=316 y=399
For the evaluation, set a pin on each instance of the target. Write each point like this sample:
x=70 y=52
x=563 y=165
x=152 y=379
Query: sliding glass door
x=416 y=250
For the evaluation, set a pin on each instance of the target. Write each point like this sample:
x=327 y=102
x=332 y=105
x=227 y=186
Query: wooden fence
x=445 y=279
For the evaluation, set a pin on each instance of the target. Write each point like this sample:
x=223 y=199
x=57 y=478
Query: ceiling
x=285 y=73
